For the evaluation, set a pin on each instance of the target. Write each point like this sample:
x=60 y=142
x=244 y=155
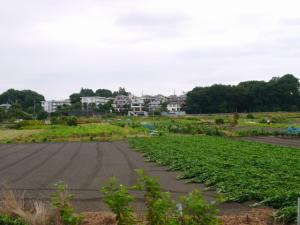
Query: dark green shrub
x=263 y=121
x=250 y=116
x=57 y=120
x=219 y=121
x=9 y=220
x=72 y=121
x=42 y=115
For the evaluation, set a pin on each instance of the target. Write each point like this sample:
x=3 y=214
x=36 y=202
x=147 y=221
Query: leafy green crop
x=9 y=220
x=242 y=170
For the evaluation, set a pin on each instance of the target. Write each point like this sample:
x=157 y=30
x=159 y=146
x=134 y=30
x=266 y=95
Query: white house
x=94 y=100
x=174 y=106
x=51 y=106
x=137 y=104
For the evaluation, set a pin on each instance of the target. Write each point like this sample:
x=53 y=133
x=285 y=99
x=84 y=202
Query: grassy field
x=116 y=128
x=57 y=133
x=241 y=170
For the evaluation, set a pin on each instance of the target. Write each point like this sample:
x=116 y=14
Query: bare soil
x=257 y=216
x=282 y=141
x=85 y=167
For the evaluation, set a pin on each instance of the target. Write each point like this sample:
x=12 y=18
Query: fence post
x=298 y=215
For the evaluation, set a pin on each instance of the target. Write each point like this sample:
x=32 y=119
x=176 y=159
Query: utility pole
x=34 y=115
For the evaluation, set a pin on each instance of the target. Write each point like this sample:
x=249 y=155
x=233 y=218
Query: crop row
x=241 y=170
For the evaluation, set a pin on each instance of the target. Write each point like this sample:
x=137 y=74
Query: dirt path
x=288 y=142
x=85 y=167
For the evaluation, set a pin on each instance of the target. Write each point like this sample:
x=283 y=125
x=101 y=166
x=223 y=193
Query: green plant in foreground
x=161 y=209
x=152 y=195
x=9 y=220
x=197 y=211
x=116 y=196
x=61 y=200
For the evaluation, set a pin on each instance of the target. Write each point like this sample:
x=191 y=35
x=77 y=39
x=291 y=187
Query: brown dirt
x=85 y=167
x=256 y=216
x=282 y=141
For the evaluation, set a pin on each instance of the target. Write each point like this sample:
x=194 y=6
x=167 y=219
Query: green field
x=56 y=133
x=118 y=127
x=241 y=170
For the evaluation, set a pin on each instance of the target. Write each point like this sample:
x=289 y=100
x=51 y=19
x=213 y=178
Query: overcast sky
x=56 y=47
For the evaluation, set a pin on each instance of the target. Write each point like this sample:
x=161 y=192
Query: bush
x=61 y=200
x=197 y=211
x=64 y=120
x=72 y=121
x=161 y=209
x=42 y=115
x=263 y=121
x=236 y=116
x=9 y=220
x=29 y=123
x=278 y=120
x=219 y=121
x=250 y=116
x=116 y=196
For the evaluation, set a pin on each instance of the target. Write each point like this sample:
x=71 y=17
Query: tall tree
x=103 y=93
x=280 y=93
x=28 y=100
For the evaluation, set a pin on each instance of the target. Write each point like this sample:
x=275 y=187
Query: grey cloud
x=163 y=24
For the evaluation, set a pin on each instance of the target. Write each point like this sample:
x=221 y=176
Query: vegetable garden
x=241 y=170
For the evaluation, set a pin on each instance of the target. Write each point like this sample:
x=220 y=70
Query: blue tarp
x=293 y=130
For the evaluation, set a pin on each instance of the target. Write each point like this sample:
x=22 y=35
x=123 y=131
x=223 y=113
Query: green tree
x=121 y=91
x=103 y=93
x=280 y=93
x=85 y=92
x=75 y=98
x=27 y=99
x=42 y=115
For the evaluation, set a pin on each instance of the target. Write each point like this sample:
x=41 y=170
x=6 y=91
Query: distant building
x=95 y=100
x=174 y=106
x=5 y=106
x=121 y=102
x=156 y=98
x=137 y=107
x=154 y=106
x=51 y=106
x=137 y=104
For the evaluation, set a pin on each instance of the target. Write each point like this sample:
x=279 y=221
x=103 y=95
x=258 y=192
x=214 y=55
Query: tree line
x=277 y=94
x=25 y=104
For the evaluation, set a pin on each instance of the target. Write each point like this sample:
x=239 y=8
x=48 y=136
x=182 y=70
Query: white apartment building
x=51 y=106
x=94 y=100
